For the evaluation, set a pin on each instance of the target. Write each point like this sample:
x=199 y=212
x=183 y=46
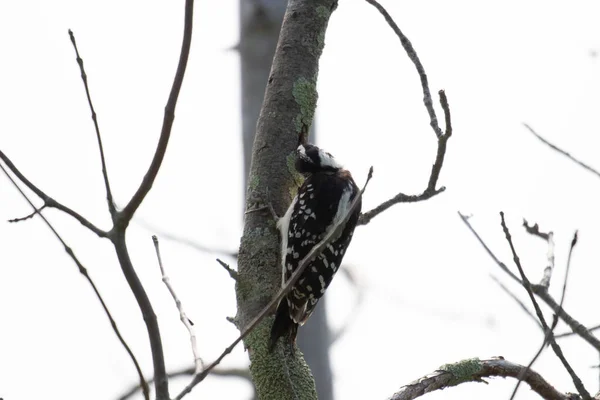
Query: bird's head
x=312 y=159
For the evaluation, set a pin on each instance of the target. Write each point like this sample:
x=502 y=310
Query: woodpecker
x=322 y=201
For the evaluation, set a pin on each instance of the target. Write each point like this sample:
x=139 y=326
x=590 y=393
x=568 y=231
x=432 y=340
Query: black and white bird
x=322 y=201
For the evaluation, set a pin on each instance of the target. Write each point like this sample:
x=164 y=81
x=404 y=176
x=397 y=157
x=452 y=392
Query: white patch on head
x=327 y=160
x=302 y=150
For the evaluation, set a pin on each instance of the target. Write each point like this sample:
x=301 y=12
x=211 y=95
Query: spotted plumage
x=322 y=201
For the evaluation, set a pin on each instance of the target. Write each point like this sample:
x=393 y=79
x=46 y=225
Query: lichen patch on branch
x=305 y=95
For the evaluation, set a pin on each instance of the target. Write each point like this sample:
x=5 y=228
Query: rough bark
x=284 y=121
x=260 y=23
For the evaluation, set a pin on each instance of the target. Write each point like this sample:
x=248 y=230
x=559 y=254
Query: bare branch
x=574 y=324
x=412 y=54
x=535 y=230
x=549 y=238
x=442 y=138
x=564 y=289
x=226 y=373
x=28 y=216
x=567 y=334
x=164 y=235
x=49 y=201
x=109 y=197
x=123 y=217
x=127 y=213
x=546 y=283
x=519 y=302
x=542 y=292
x=83 y=271
x=557 y=350
x=503 y=266
x=436 y=169
x=564 y=153
x=182 y=316
x=232 y=273
x=314 y=252
x=474 y=370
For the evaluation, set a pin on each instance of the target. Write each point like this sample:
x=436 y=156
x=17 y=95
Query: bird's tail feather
x=283 y=326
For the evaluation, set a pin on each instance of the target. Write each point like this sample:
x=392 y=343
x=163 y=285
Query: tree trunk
x=260 y=23
x=284 y=121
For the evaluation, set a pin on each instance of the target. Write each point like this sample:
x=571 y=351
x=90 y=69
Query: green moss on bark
x=305 y=94
x=462 y=371
x=276 y=376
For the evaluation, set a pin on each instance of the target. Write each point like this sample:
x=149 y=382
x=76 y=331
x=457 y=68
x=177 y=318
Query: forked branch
x=442 y=137
x=83 y=271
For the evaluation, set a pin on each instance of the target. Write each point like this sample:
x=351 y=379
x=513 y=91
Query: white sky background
x=429 y=298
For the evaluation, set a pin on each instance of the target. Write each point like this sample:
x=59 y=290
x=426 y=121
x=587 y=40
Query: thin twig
x=503 y=266
x=226 y=373
x=574 y=324
x=315 y=251
x=127 y=213
x=535 y=230
x=31 y=215
x=182 y=316
x=549 y=238
x=412 y=54
x=474 y=370
x=85 y=273
x=109 y=197
x=547 y=336
x=545 y=283
x=517 y=300
x=232 y=273
x=561 y=151
x=564 y=289
x=164 y=235
x=49 y=201
x=567 y=334
x=557 y=350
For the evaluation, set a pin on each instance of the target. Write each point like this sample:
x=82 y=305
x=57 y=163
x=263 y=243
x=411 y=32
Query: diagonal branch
x=314 y=253
x=474 y=370
x=109 y=197
x=542 y=292
x=567 y=334
x=548 y=331
x=561 y=151
x=127 y=213
x=516 y=299
x=28 y=216
x=549 y=237
x=85 y=273
x=198 y=363
x=49 y=201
